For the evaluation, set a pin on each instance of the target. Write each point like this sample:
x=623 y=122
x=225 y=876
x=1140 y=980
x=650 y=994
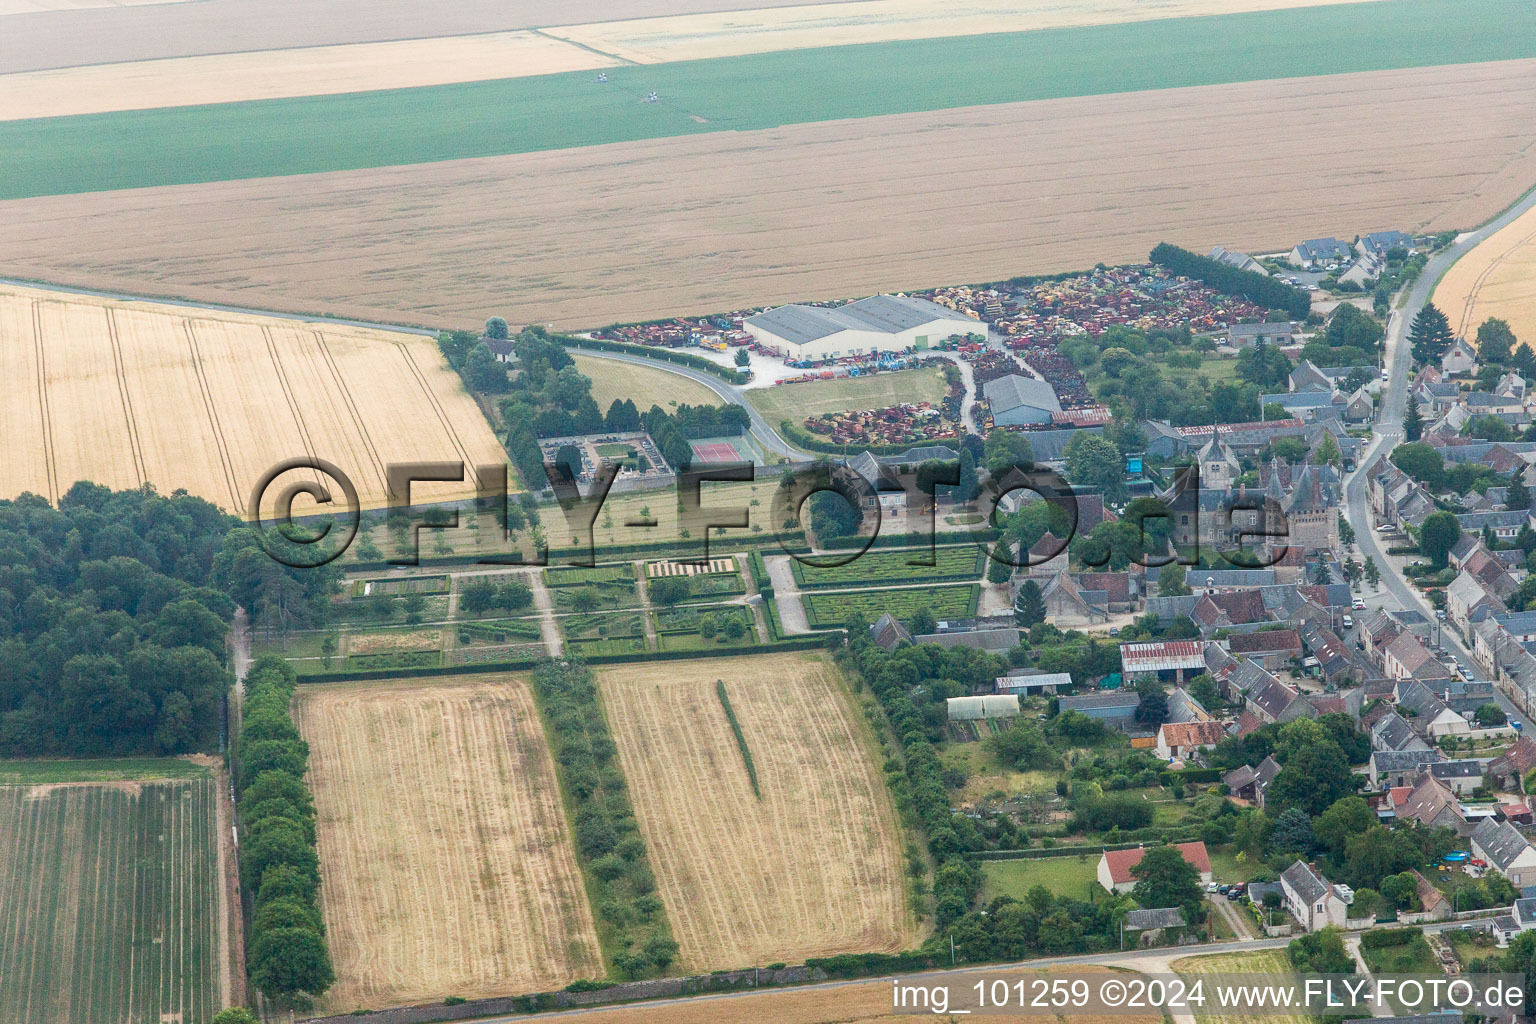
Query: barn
x=880 y=323
x=1016 y=400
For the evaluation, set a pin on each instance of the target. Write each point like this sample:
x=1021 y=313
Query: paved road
x=1154 y=960
x=767 y=436
x=1389 y=426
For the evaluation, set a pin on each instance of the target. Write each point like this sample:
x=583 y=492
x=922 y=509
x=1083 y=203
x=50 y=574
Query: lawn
x=612 y=380
x=1225 y=867
x=830 y=611
x=797 y=401
x=1216 y=369
x=1066 y=876
x=217 y=142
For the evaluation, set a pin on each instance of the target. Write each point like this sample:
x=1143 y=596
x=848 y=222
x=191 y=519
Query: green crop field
x=882 y=568
x=829 y=611
x=109 y=903
x=174 y=145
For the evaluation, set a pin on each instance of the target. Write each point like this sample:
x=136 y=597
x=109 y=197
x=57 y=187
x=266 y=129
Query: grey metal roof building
x=1163 y=917
x=879 y=323
x=1017 y=400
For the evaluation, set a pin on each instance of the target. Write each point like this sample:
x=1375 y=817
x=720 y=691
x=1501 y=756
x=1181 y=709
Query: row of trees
x=1261 y=289
x=607 y=837
x=288 y=958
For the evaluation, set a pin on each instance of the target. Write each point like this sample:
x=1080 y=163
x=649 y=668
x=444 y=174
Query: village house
x=1272 y=648
x=1181 y=739
x=1506 y=851
x=1429 y=714
x=1509 y=769
x=1392 y=732
x=1318 y=252
x=1407 y=658
x=1249 y=783
x=1460 y=360
x=1115 y=866
x=1389 y=768
x=1311 y=899
x=1432 y=803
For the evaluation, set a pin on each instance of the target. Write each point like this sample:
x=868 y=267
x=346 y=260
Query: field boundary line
x=583 y=46
x=40 y=351
x=135 y=442
x=213 y=417
x=437 y=407
x=293 y=403
x=357 y=418
x=1481 y=280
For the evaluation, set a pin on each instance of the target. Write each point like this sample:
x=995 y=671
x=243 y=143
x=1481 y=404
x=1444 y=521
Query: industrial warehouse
x=880 y=323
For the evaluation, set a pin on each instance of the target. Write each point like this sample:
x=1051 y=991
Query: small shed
x=970 y=709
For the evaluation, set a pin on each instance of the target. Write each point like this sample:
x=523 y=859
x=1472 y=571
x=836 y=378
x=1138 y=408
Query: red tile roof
x=1122 y=861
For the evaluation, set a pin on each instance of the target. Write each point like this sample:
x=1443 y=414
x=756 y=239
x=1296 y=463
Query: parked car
x=1384 y=528
x=1359 y=604
x=1210 y=887
x=1349 y=622
x=1234 y=895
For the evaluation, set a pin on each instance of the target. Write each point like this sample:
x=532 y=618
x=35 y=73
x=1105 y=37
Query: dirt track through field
x=811 y=869
x=446 y=856
x=128 y=393
x=625 y=232
x=1496 y=279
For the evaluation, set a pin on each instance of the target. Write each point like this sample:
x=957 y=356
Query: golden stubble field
x=126 y=393
x=1495 y=279
x=627 y=232
x=445 y=852
x=845 y=1003
x=813 y=868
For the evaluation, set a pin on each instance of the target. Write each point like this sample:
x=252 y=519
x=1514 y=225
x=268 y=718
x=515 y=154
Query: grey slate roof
x=1462 y=769
x=1500 y=841
x=1300 y=877
x=1113 y=699
x=1402 y=760
x=1393 y=731
x=1166 y=917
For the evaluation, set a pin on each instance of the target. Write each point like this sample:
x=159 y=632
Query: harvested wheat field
x=270 y=74
x=731 y=868
x=840 y=1003
x=73 y=33
x=126 y=393
x=734 y=33
x=446 y=856
x=624 y=232
x=1495 y=279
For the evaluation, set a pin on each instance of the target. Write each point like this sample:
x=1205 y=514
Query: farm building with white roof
x=880 y=323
